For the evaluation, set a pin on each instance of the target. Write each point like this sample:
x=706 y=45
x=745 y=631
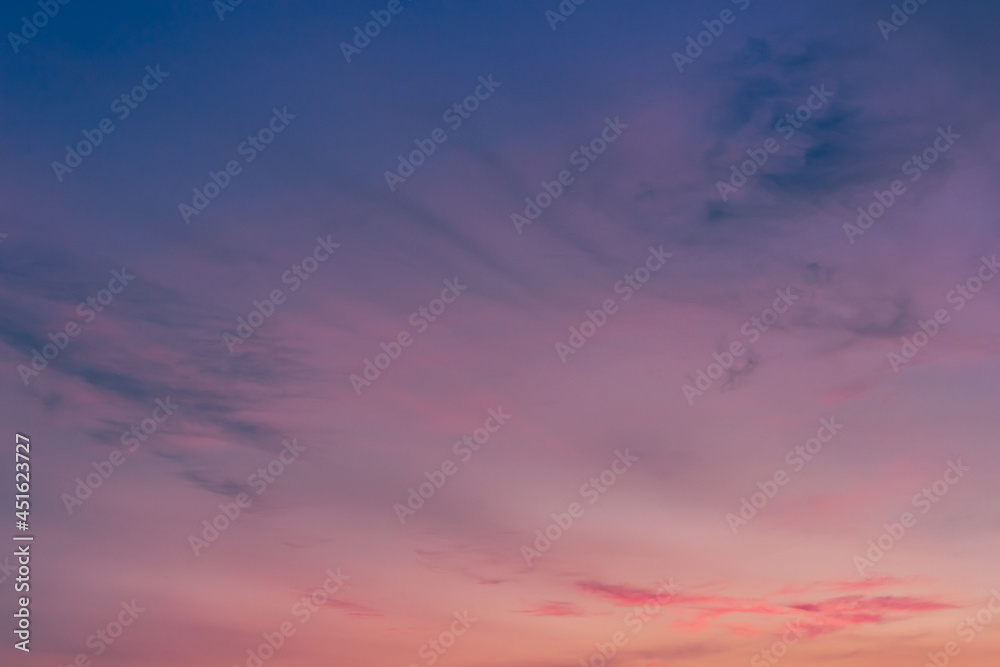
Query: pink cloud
x=826 y=615
x=835 y=613
x=620 y=595
x=355 y=609
x=549 y=608
x=849 y=585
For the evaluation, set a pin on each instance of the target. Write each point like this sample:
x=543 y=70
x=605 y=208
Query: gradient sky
x=495 y=347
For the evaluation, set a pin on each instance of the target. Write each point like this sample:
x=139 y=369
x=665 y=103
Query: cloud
x=549 y=608
x=836 y=613
x=355 y=609
x=823 y=616
x=619 y=594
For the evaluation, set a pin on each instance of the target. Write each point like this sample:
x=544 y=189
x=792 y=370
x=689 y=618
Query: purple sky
x=692 y=367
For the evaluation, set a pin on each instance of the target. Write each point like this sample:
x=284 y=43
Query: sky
x=528 y=334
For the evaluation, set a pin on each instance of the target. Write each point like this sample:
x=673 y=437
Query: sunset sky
x=510 y=336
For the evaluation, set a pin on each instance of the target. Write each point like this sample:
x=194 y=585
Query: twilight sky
x=517 y=334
